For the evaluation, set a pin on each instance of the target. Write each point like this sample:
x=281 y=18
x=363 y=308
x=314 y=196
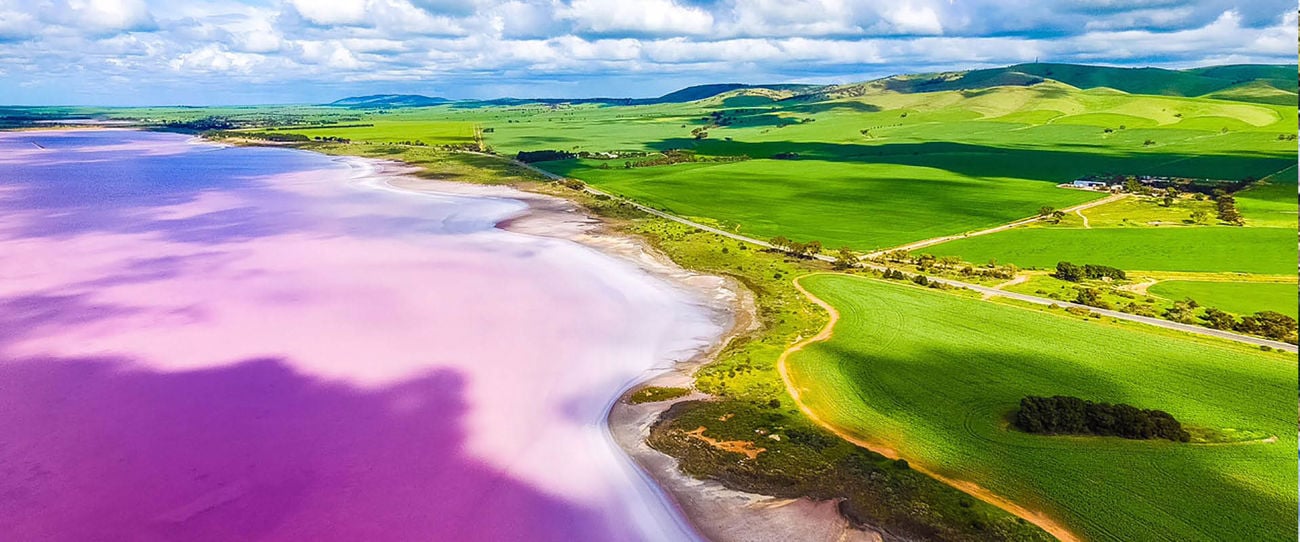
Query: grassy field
x=928 y=164
x=1238 y=297
x=863 y=206
x=1211 y=248
x=872 y=171
x=1141 y=212
x=1271 y=203
x=934 y=376
x=391 y=131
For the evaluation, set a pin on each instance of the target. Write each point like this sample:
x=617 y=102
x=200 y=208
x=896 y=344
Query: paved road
x=985 y=290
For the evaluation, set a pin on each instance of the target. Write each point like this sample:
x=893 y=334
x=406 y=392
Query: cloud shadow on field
x=1044 y=164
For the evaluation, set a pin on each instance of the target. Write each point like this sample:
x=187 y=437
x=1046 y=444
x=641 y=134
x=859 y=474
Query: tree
x=1274 y=325
x=949 y=262
x=779 y=242
x=1132 y=185
x=1046 y=211
x=1218 y=319
x=812 y=248
x=1200 y=216
x=844 y=259
x=1227 y=207
x=1092 y=298
x=1057 y=215
x=1068 y=271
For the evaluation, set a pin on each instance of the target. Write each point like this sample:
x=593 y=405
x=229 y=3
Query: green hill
x=1272 y=84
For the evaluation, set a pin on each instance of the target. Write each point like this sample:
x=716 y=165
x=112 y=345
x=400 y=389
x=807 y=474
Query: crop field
x=391 y=131
x=928 y=164
x=1210 y=248
x=934 y=376
x=1237 y=297
x=863 y=206
x=1271 y=203
x=870 y=171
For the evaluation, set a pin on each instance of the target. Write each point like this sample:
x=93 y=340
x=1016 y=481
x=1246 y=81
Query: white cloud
x=108 y=15
x=331 y=12
x=483 y=46
x=213 y=58
x=636 y=16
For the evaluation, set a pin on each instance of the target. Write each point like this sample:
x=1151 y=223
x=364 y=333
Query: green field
x=864 y=206
x=1271 y=203
x=935 y=375
x=1238 y=297
x=1210 y=248
x=874 y=168
x=929 y=164
x=390 y=131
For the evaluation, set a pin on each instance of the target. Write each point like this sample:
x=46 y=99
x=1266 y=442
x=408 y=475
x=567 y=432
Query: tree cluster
x=1273 y=325
x=529 y=157
x=894 y=274
x=1076 y=273
x=845 y=259
x=1227 y=207
x=809 y=249
x=1063 y=415
x=677 y=156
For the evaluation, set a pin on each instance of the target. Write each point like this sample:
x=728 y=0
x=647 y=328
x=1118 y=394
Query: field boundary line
x=1037 y=518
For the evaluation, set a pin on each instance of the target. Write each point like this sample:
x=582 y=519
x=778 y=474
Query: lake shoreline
x=712 y=510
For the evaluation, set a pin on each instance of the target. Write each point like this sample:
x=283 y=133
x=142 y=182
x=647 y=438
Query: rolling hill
x=389 y=100
x=1271 y=84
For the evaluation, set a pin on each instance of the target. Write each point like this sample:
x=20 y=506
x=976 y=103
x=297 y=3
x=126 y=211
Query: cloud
x=645 y=17
x=332 y=12
x=291 y=50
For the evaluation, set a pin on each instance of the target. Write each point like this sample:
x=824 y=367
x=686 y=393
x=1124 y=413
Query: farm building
x=1095 y=185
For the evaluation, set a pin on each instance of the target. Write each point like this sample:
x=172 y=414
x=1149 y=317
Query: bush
x=1062 y=415
x=1274 y=325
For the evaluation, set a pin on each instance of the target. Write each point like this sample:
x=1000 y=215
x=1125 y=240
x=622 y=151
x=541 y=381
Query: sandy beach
x=717 y=513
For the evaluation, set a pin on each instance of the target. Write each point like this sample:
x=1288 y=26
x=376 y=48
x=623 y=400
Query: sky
x=213 y=52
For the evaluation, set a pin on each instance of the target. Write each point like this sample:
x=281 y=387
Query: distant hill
x=1270 y=84
x=700 y=92
x=688 y=94
x=1193 y=82
x=1274 y=84
x=389 y=100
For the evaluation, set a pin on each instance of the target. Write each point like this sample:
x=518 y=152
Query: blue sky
x=138 y=52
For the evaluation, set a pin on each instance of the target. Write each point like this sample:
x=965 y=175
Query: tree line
x=1075 y=273
x=1064 y=415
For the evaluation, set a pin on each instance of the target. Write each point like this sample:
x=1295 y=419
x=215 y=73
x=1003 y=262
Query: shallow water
x=216 y=343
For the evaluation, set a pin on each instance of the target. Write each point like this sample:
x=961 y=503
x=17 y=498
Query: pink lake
x=217 y=343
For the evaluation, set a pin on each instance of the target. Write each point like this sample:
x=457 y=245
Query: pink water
x=208 y=343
